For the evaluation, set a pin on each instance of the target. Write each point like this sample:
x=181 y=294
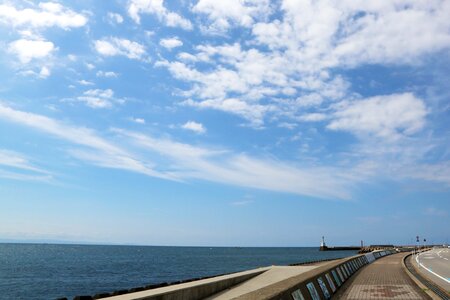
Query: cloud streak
x=168 y=159
x=96 y=149
x=223 y=166
x=15 y=166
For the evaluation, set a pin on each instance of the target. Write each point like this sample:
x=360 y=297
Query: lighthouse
x=323 y=246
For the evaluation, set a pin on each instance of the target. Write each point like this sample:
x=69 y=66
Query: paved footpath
x=383 y=279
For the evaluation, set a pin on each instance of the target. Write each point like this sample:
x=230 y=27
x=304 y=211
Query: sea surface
x=47 y=271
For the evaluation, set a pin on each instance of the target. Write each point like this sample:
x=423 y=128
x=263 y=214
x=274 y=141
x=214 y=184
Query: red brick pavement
x=383 y=279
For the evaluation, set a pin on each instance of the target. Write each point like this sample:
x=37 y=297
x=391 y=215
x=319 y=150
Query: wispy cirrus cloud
x=172 y=160
x=14 y=165
x=224 y=166
x=96 y=149
x=165 y=158
x=15 y=160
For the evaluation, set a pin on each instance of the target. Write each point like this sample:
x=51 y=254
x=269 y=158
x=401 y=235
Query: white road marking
x=445 y=279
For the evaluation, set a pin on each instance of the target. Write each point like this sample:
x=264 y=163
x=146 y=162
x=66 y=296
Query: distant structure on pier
x=324 y=247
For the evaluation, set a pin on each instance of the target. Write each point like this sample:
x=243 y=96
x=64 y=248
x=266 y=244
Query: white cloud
x=242 y=202
x=169 y=159
x=46 y=14
x=114 y=18
x=313 y=117
x=178 y=161
x=194 y=126
x=45 y=72
x=222 y=166
x=16 y=160
x=26 y=50
x=290 y=65
x=28 y=34
x=286 y=125
x=138 y=120
x=171 y=43
x=254 y=113
x=85 y=82
x=184 y=56
x=107 y=74
x=156 y=7
x=90 y=66
x=95 y=149
x=113 y=46
x=357 y=32
x=224 y=14
x=384 y=116
x=394 y=32
x=254 y=76
x=437 y=172
x=98 y=98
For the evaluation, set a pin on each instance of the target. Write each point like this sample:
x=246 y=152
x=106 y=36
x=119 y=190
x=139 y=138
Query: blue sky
x=244 y=122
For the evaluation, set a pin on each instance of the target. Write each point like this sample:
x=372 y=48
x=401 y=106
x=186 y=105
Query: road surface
x=435 y=266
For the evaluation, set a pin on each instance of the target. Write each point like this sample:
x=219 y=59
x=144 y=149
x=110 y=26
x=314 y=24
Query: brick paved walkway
x=383 y=279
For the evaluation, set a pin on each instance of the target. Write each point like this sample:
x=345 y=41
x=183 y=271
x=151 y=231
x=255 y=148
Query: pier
x=324 y=247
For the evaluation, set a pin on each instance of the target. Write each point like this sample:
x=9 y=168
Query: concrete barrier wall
x=194 y=290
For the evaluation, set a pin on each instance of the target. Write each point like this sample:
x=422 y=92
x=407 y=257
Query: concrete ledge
x=193 y=290
x=284 y=289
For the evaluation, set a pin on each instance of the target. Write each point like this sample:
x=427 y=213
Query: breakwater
x=339 y=248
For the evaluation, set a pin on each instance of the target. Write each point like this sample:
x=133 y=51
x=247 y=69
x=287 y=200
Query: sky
x=225 y=123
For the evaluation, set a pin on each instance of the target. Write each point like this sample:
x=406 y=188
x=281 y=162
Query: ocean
x=47 y=271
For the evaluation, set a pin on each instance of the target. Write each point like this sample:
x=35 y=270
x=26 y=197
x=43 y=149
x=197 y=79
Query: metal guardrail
x=433 y=287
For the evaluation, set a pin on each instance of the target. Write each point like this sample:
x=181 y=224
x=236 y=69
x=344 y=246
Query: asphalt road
x=435 y=265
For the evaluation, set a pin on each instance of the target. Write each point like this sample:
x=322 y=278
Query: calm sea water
x=45 y=271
